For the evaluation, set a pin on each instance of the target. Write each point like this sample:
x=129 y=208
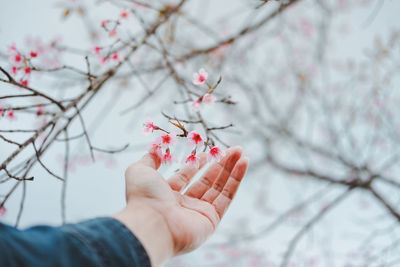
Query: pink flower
x=33 y=54
x=96 y=50
x=193 y=159
x=200 y=77
x=24 y=82
x=167 y=158
x=167 y=139
x=209 y=98
x=40 y=110
x=125 y=13
x=3 y=211
x=215 y=153
x=10 y=114
x=12 y=49
x=104 y=23
x=17 y=58
x=196 y=104
x=14 y=70
x=112 y=33
x=115 y=56
x=194 y=138
x=149 y=127
x=155 y=149
x=27 y=71
x=104 y=60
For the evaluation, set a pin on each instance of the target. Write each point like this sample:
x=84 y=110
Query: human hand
x=169 y=222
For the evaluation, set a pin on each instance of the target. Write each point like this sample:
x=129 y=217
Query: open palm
x=193 y=215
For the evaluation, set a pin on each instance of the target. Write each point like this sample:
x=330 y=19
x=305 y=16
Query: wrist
x=150 y=228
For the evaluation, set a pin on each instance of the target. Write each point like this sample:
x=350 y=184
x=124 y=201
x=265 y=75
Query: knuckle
x=227 y=193
x=206 y=181
x=218 y=187
x=184 y=177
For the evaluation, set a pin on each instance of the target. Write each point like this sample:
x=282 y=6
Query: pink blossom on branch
x=167 y=157
x=167 y=139
x=195 y=139
x=14 y=70
x=149 y=127
x=115 y=56
x=11 y=115
x=209 y=99
x=24 y=82
x=215 y=153
x=40 y=110
x=104 y=23
x=96 y=50
x=200 y=77
x=155 y=149
x=125 y=13
x=33 y=54
x=196 y=104
x=112 y=33
x=193 y=159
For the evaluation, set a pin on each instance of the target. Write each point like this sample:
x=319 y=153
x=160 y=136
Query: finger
x=182 y=178
x=221 y=180
x=150 y=160
x=222 y=202
x=198 y=189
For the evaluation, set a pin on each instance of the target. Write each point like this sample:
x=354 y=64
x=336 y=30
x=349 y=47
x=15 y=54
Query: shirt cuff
x=110 y=241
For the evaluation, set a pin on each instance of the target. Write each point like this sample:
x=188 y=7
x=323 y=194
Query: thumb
x=151 y=160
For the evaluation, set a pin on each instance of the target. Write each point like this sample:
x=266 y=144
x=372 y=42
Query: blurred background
x=311 y=88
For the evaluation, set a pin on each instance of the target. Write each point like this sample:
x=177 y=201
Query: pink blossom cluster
x=200 y=78
x=162 y=145
x=9 y=112
x=111 y=27
x=100 y=53
x=21 y=66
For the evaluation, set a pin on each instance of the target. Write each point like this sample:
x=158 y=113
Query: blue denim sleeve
x=96 y=242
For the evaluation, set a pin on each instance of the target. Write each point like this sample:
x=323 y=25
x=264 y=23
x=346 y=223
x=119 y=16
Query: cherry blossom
x=96 y=50
x=24 y=82
x=149 y=126
x=167 y=139
x=209 y=99
x=194 y=138
x=215 y=153
x=125 y=13
x=10 y=114
x=167 y=158
x=17 y=58
x=115 y=56
x=112 y=33
x=193 y=159
x=104 y=60
x=40 y=110
x=155 y=149
x=27 y=71
x=196 y=104
x=200 y=77
x=33 y=54
x=104 y=23
x=12 y=49
x=14 y=70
